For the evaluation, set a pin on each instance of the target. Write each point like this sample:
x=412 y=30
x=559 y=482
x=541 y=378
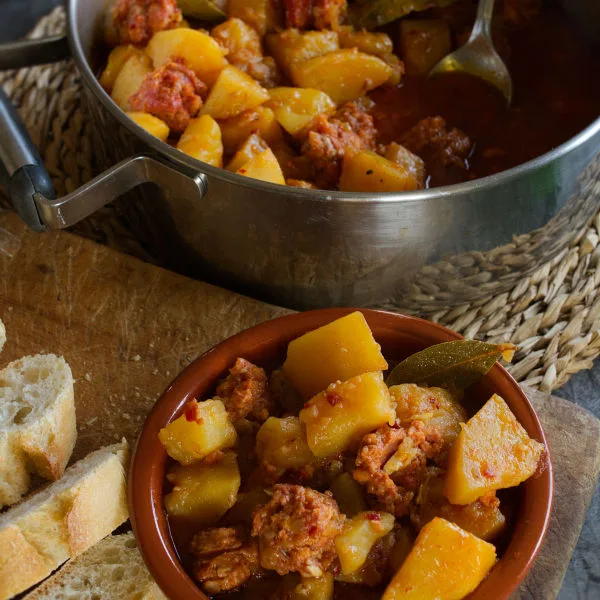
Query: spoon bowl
x=478 y=57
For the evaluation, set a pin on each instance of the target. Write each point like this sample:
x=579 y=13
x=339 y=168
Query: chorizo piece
x=433 y=141
x=245 y=392
x=376 y=449
x=172 y=93
x=298 y=13
x=223 y=560
x=296 y=529
x=329 y=138
x=136 y=21
x=329 y=14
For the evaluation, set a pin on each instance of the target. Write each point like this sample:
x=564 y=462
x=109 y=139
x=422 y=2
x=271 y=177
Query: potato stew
x=320 y=481
x=335 y=95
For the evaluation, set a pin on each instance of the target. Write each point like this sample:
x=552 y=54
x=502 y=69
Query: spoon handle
x=483 y=20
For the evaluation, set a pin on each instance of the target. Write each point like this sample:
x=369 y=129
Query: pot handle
x=25 y=53
x=23 y=171
x=29 y=184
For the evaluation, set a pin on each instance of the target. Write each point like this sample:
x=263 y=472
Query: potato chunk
x=203 y=493
x=423 y=43
x=493 y=451
x=202 y=140
x=253 y=146
x=116 y=59
x=401 y=155
x=359 y=536
x=263 y=166
x=204 y=427
x=281 y=443
x=291 y=47
x=260 y=14
x=366 y=171
x=349 y=495
x=375 y=43
x=151 y=124
x=295 y=108
x=233 y=93
x=340 y=416
x=129 y=79
x=335 y=352
x=311 y=588
x=201 y=53
x=446 y=563
x=343 y=75
x=260 y=120
x=482 y=518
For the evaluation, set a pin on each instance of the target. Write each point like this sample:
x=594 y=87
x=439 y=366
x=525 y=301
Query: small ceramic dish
x=265 y=345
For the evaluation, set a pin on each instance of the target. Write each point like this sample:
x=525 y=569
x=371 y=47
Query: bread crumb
x=137 y=358
x=92 y=421
x=155 y=372
x=88 y=376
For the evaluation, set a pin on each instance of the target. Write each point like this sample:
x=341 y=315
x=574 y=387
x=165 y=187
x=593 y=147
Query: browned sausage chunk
x=329 y=14
x=329 y=138
x=376 y=449
x=394 y=491
x=298 y=13
x=435 y=143
x=172 y=93
x=317 y=14
x=245 y=392
x=136 y=21
x=223 y=561
x=296 y=530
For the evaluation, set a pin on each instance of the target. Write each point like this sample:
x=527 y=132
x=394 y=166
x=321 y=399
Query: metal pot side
x=304 y=248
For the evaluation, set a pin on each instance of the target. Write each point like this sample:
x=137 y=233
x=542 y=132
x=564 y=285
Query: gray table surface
x=582 y=581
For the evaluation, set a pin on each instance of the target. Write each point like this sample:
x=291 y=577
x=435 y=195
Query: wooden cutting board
x=127 y=328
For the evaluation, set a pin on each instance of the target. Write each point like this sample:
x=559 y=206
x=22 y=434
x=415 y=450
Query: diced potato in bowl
x=203 y=428
x=329 y=473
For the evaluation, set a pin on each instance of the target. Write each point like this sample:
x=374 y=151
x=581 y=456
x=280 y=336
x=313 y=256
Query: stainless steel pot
x=310 y=248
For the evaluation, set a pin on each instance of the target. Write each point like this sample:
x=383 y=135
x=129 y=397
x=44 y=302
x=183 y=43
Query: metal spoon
x=478 y=57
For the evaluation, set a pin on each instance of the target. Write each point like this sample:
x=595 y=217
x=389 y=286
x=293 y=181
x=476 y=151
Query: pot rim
x=175 y=156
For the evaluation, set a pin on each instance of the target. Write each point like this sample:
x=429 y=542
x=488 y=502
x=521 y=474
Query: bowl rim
x=149 y=458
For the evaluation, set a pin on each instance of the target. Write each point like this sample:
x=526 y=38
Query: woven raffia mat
x=553 y=315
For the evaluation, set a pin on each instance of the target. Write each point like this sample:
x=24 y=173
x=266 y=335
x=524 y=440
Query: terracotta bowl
x=265 y=345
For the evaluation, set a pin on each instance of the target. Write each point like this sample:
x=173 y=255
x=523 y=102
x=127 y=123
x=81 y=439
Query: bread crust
x=92 y=575
x=43 y=443
x=63 y=520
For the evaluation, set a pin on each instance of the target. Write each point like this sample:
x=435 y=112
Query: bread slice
x=37 y=422
x=111 y=569
x=2 y=335
x=62 y=520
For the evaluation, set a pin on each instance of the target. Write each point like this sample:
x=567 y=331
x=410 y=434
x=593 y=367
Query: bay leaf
x=368 y=14
x=456 y=364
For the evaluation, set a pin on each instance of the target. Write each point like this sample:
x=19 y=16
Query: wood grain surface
x=127 y=328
